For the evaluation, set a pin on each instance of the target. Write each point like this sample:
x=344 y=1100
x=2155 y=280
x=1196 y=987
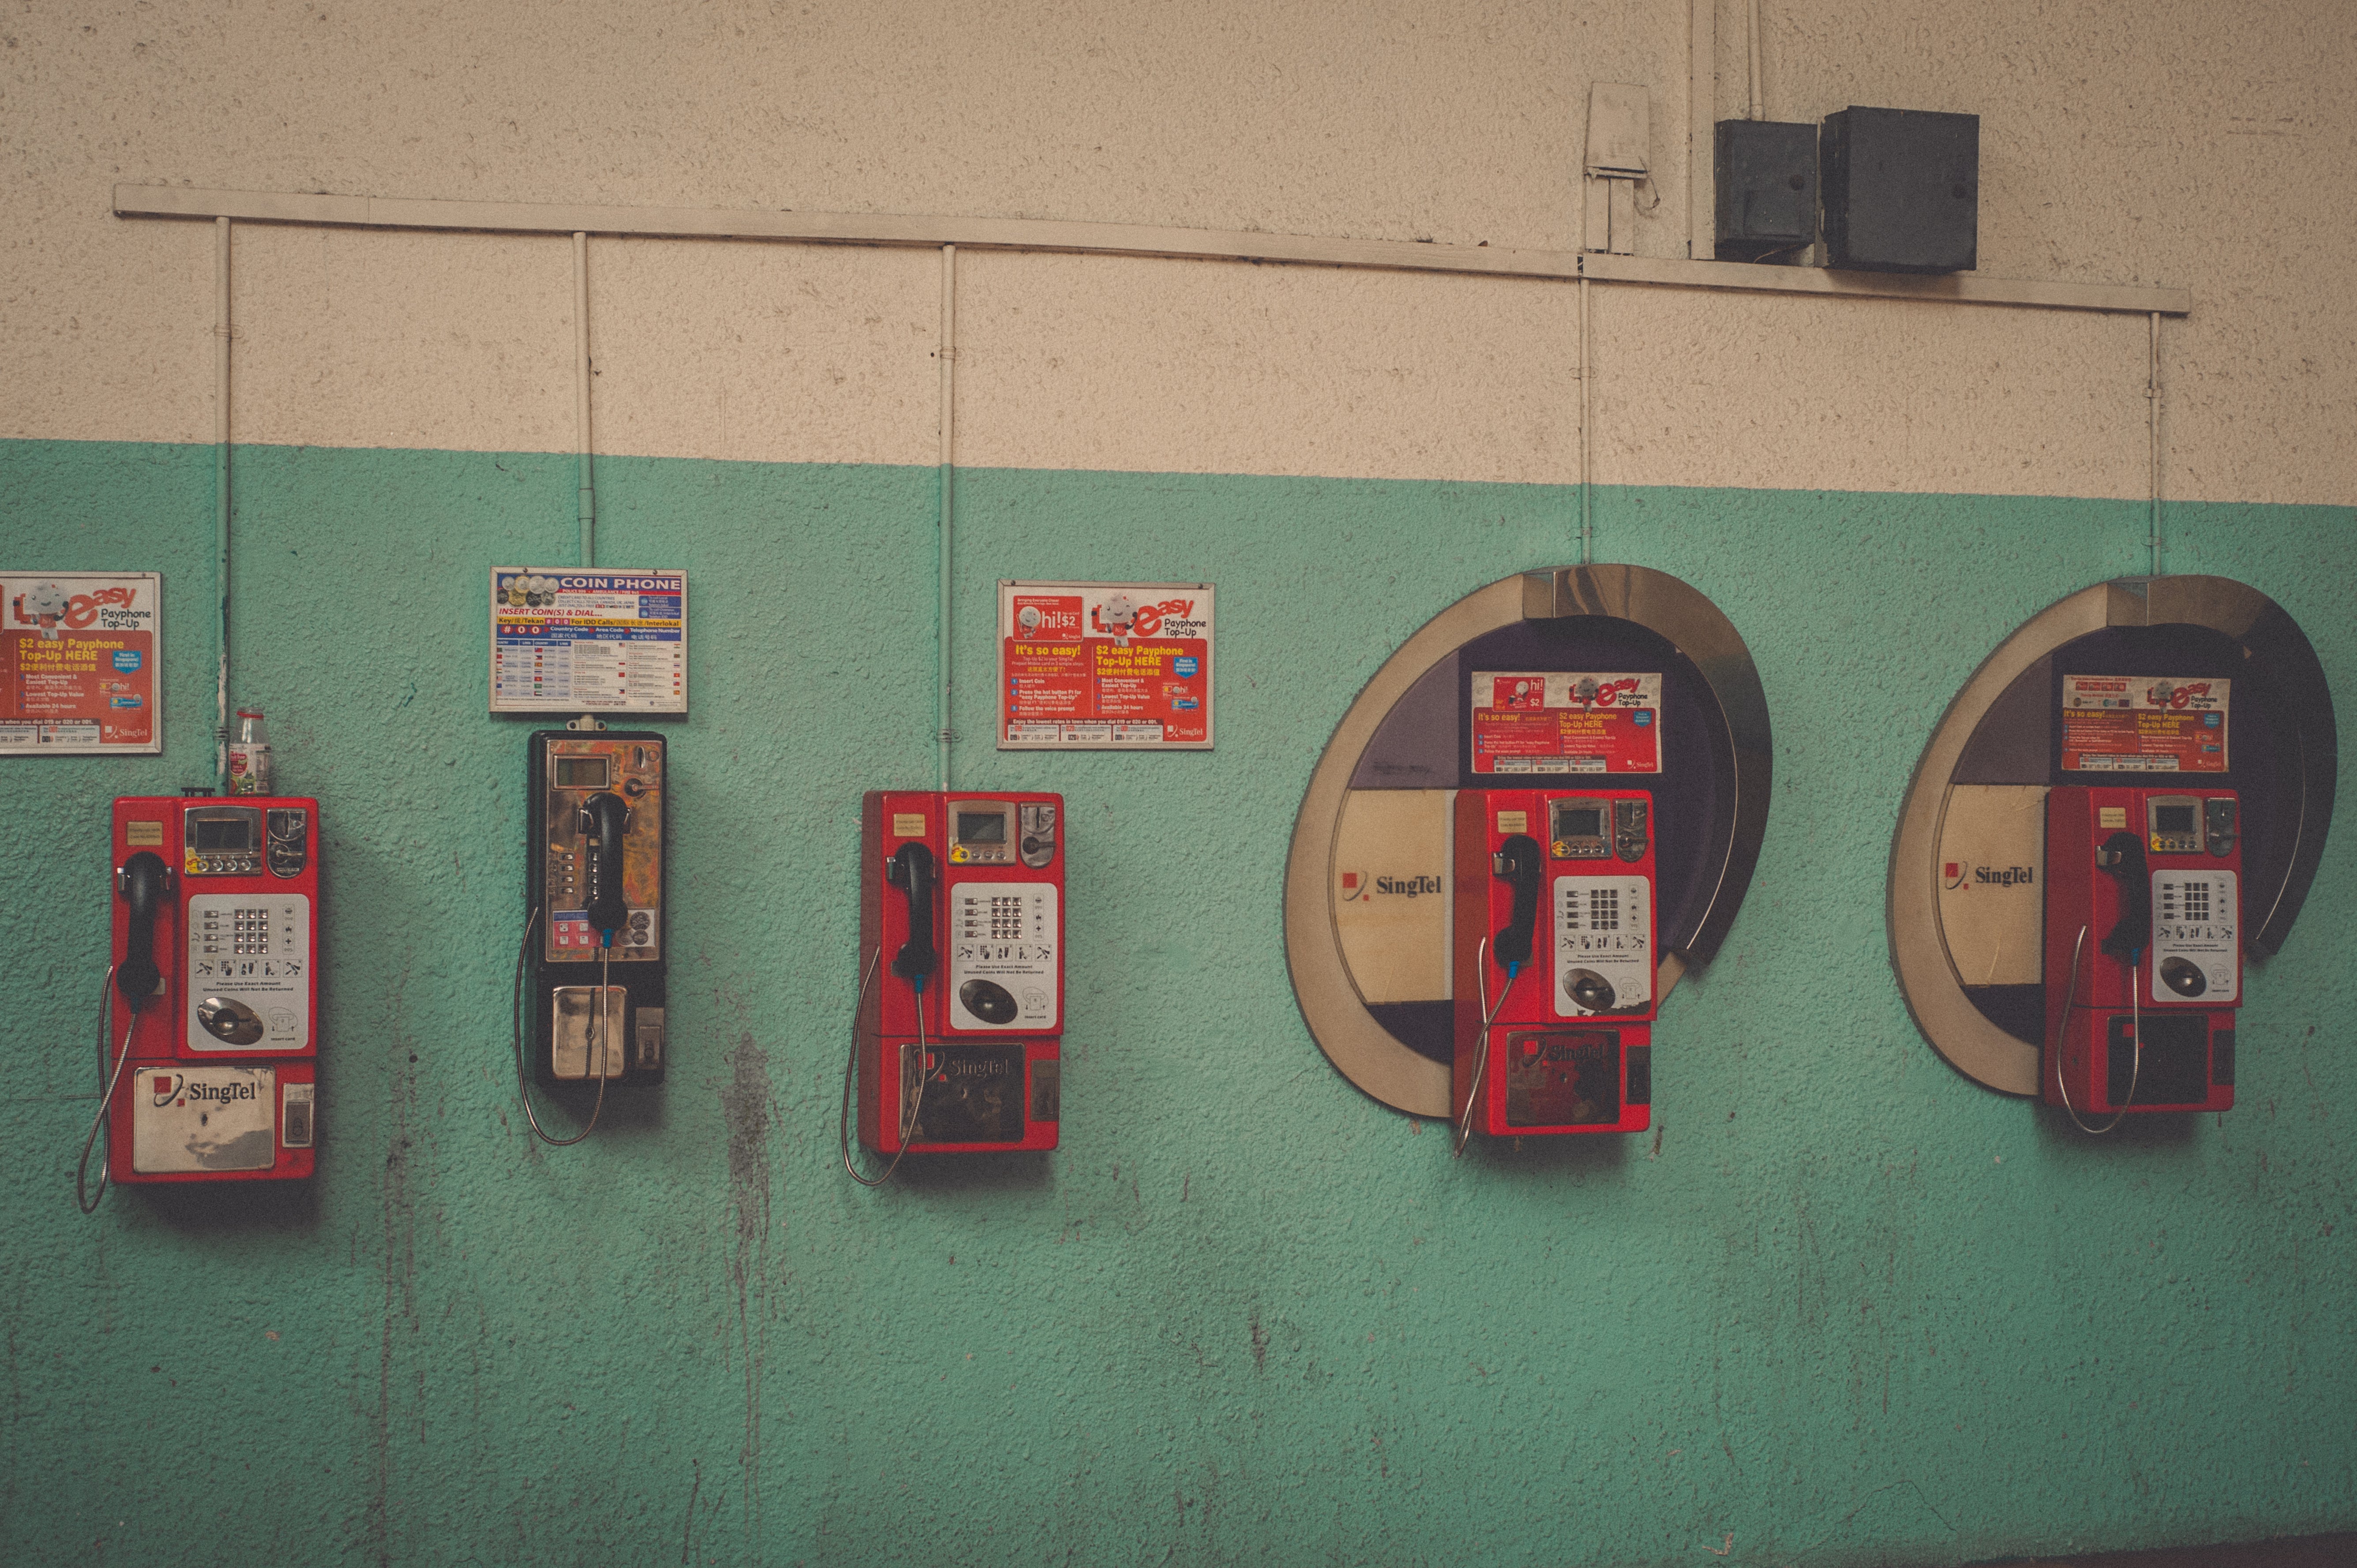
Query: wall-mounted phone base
x=962 y=934
x=582 y=868
x=221 y=1071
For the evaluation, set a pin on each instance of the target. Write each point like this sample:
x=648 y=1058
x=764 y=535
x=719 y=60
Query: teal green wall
x=1847 y=1308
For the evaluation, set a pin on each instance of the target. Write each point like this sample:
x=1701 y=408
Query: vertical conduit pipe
x=2152 y=430
x=220 y=499
x=1751 y=37
x=1587 y=508
x=949 y=493
x=588 y=497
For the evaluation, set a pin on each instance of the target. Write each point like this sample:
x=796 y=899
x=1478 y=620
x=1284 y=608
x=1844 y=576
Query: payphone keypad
x=248 y=957
x=1002 y=953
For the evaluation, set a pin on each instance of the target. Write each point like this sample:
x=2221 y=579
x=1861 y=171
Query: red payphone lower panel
x=180 y=1121
x=1569 y=1080
x=978 y=1096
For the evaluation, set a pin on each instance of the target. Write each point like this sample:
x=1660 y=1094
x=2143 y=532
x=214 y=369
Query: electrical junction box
x=1767 y=189
x=1901 y=189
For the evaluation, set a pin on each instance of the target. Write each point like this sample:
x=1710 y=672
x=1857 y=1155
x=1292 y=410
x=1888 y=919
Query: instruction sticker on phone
x=1542 y=722
x=2144 y=723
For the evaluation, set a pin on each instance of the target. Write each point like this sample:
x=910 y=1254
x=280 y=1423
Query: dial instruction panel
x=1003 y=955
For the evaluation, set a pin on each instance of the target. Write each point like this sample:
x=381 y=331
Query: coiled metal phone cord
x=851 y=1065
x=2135 y=1035
x=1489 y=1016
x=105 y=1098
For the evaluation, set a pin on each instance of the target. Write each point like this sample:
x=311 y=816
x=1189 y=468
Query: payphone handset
x=208 y=1036
x=962 y=910
x=591 y=977
x=2143 y=966
x=1556 y=972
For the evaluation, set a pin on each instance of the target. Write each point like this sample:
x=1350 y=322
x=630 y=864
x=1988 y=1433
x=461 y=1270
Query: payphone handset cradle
x=1518 y=863
x=143 y=881
x=212 y=935
x=594 y=893
x=956 y=1023
x=911 y=870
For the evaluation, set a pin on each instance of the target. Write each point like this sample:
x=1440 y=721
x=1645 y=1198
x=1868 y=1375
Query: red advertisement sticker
x=1551 y=722
x=2144 y=723
x=78 y=654
x=1116 y=665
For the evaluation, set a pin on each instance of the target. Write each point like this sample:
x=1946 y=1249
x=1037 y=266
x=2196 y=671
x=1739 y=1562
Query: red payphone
x=212 y=1001
x=961 y=990
x=1554 y=967
x=2143 y=966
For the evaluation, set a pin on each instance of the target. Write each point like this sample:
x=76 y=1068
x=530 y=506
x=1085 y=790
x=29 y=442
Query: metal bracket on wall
x=1117 y=238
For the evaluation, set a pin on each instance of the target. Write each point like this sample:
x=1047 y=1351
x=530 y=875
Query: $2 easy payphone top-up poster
x=1105 y=666
x=78 y=655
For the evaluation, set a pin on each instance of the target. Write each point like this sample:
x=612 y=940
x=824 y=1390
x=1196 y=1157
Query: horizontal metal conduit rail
x=1122 y=239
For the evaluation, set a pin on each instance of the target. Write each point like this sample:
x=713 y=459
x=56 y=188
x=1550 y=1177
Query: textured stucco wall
x=1847 y=1309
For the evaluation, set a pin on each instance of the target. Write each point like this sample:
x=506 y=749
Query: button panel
x=249 y=961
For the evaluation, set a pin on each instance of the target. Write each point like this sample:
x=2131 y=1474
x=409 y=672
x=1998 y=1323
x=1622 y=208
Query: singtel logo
x=1958 y=876
x=169 y=1086
x=1356 y=886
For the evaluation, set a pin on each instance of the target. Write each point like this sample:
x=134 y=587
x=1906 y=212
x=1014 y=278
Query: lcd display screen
x=1583 y=822
x=2175 y=820
x=582 y=772
x=229 y=833
x=981 y=827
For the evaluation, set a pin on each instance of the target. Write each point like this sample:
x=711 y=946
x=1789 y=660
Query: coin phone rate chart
x=212 y=1012
x=962 y=947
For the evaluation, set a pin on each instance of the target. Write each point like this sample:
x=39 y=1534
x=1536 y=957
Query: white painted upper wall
x=2202 y=145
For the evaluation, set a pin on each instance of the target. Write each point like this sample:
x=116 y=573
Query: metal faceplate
x=249 y=971
x=578 y=767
